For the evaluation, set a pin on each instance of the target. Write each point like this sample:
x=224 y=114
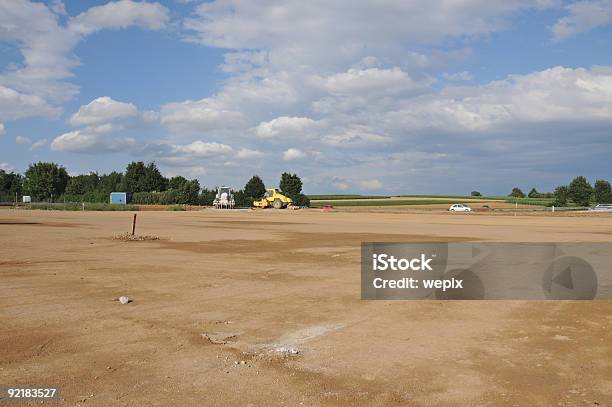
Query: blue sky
x=363 y=97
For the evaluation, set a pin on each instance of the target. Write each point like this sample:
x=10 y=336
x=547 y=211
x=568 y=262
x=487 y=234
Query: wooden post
x=134 y=225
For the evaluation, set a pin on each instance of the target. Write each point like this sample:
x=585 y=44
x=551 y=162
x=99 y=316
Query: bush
x=301 y=200
x=475 y=193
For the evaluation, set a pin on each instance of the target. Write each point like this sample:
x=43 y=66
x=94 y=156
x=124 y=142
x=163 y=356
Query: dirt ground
x=221 y=300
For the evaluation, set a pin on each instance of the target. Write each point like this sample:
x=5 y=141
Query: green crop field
x=341 y=197
x=371 y=202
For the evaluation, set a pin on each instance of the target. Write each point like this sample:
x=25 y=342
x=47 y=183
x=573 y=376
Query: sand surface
x=225 y=287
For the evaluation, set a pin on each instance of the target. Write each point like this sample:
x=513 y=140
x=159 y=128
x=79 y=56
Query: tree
x=533 y=193
x=517 y=193
x=580 y=191
x=141 y=178
x=111 y=183
x=475 y=193
x=45 y=180
x=10 y=184
x=602 y=191
x=255 y=187
x=82 y=184
x=177 y=182
x=561 y=193
x=290 y=185
x=189 y=192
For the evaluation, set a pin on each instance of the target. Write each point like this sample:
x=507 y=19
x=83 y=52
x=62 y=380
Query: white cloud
x=205 y=114
x=35 y=86
x=290 y=127
x=38 y=144
x=201 y=149
x=245 y=153
x=120 y=14
x=337 y=30
x=370 y=81
x=354 y=135
x=293 y=154
x=23 y=140
x=92 y=140
x=555 y=94
x=16 y=105
x=371 y=184
x=583 y=16
x=102 y=110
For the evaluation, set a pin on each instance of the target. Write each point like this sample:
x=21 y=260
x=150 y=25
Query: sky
x=385 y=97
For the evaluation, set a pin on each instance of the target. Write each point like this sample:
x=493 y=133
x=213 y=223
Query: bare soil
x=263 y=308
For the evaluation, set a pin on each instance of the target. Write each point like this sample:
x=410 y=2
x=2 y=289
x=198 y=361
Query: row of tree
x=143 y=182
x=579 y=192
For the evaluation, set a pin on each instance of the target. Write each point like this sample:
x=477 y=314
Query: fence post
x=134 y=225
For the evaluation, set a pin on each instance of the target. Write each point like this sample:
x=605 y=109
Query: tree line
x=47 y=181
x=579 y=192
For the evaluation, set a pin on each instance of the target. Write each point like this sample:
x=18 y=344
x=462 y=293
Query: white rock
x=124 y=300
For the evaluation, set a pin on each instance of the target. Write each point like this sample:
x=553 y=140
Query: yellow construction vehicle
x=274 y=199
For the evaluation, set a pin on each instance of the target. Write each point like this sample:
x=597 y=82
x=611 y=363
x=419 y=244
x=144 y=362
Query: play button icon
x=570 y=278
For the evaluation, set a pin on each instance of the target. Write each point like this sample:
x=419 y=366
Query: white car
x=460 y=208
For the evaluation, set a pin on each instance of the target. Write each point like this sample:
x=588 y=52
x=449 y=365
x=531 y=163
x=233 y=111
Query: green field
x=442 y=199
x=341 y=197
x=370 y=202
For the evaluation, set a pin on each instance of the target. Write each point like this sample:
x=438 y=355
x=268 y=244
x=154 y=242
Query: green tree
x=255 y=187
x=111 y=183
x=561 y=195
x=533 y=193
x=11 y=183
x=177 y=182
x=82 y=184
x=475 y=193
x=143 y=178
x=602 y=191
x=189 y=192
x=580 y=191
x=45 y=180
x=517 y=193
x=290 y=185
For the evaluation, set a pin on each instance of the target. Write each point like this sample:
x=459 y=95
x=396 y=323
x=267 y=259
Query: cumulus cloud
x=284 y=126
x=246 y=153
x=293 y=154
x=102 y=110
x=38 y=144
x=41 y=81
x=370 y=81
x=205 y=114
x=120 y=14
x=551 y=95
x=92 y=140
x=583 y=16
x=17 y=105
